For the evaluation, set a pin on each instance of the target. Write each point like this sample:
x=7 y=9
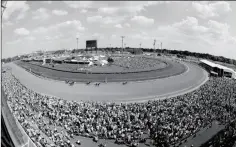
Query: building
x=58 y=61
x=47 y=60
x=217 y=70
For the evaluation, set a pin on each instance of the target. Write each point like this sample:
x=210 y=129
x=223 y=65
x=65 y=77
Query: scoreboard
x=91 y=44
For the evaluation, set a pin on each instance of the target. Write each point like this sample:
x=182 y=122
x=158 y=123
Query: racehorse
x=97 y=84
x=88 y=83
x=124 y=83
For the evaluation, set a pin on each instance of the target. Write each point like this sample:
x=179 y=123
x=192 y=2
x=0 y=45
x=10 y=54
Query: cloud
x=93 y=19
x=41 y=14
x=108 y=10
x=40 y=30
x=79 y=34
x=98 y=36
x=21 y=7
x=124 y=8
x=212 y=33
x=187 y=28
x=113 y=20
x=113 y=36
x=59 y=12
x=111 y=8
x=30 y=38
x=217 y=26
x=233 y=40
x=219 y=31
x=74 y=25
x=142 y=20
x=14 y=42
x=105 y=20
x=84 y=11
x=127 y=8
x=49 y=38
x=47 y=2
x=21 y=31
x=127 y=25
x=190 y=26
x=8 y=23
x=141 y=35
x=207 y=10
x=150 y=3
x=118 y=26
x=79 y=4
x=20 y=16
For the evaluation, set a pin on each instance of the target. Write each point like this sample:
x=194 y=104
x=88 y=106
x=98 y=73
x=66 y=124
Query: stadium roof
x=217 y=65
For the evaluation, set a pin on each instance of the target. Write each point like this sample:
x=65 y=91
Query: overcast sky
x=208 y=27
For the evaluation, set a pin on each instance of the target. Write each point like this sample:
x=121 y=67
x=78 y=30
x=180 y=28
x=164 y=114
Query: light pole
x=77 y=42
x=154 y=44
x=122 y=37
x=159 y=45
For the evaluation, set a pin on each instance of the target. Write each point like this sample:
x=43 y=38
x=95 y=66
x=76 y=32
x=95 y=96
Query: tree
x=110 y=60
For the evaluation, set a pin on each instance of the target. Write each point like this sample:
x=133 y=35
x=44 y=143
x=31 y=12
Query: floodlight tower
x=122 y=37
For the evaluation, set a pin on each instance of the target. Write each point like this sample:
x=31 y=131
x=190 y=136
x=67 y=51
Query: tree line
x=138 y=51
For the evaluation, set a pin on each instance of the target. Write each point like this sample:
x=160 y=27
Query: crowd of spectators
x=138 y=63
x=53 y=121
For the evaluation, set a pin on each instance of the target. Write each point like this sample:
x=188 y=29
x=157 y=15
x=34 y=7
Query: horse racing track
x=192 y=77
x=172 y=69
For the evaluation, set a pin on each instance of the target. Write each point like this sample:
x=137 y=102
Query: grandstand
x=218 y=70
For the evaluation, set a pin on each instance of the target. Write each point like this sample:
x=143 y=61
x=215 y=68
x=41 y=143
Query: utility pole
x=140 y=45
x=125 y=45
x=122 y=37
x=77 y=42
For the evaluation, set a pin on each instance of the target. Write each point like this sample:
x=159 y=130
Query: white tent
x=103 y=62
x=90 y=63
